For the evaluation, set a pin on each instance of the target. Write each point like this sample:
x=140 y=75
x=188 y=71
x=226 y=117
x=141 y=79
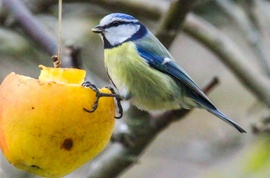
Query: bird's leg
x=118 y=102
x=100 y=94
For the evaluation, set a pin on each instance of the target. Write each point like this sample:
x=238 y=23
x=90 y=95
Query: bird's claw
x=118 y=102
x=100 y=94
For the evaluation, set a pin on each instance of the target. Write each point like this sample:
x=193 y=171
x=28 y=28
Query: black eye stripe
x=117 y=23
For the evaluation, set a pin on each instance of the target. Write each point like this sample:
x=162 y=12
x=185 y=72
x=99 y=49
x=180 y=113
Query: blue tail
x=204 y=102
x=222 y=116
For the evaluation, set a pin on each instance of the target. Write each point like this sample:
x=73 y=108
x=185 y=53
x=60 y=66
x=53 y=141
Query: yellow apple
x=44 y=128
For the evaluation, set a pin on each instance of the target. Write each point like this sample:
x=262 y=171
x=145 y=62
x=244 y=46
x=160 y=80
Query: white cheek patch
x=119 y=34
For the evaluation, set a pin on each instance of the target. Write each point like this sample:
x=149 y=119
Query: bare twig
x=263 y=126
x=38 y=33
x=230 y=54
x=258 y=14
x=247 y=22
x=172 y=21
x=120 y=6
x=72 y=56
x=238 y=15
x=31 y=25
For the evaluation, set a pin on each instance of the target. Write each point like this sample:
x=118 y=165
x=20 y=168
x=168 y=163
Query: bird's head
x=117 y=28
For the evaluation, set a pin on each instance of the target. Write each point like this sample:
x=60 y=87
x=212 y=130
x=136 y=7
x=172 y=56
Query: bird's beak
x=98 y=29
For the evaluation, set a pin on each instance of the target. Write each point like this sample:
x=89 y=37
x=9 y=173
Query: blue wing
x=157 y=56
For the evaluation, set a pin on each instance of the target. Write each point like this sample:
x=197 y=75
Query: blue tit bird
x=144 y=72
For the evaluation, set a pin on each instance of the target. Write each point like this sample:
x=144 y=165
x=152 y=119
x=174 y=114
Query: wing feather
x=156 y=55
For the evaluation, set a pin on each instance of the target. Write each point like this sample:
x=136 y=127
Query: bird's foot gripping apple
x=44 y=128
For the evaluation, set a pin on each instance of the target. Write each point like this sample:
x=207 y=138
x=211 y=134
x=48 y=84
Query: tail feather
x=203 y=102
x=223 y=117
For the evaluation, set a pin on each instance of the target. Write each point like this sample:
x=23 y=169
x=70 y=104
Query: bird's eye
x=115 y=23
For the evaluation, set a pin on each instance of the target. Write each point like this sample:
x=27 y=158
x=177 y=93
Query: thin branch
x=230 y=54
x=31 y=25
x=258 y=14
x=72 y=56
x=247 y=22
x=130 y=7
x=173 y=20
x=37 y=32
x=238 y=15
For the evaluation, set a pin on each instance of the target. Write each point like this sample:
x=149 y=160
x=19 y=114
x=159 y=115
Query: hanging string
x=57 y=63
